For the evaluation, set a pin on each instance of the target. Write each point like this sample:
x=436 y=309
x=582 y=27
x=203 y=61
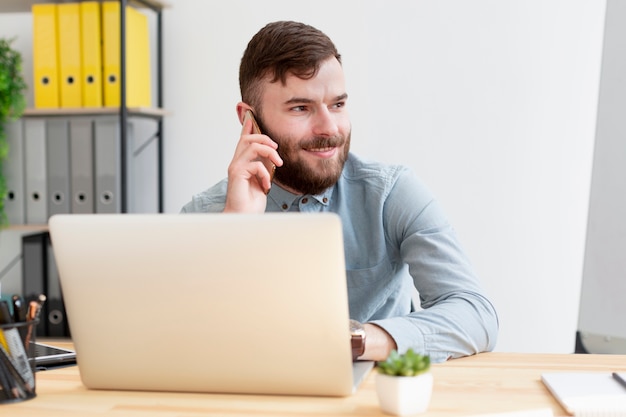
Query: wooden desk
x=482 y=384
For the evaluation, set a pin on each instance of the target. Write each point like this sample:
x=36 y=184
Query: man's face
x=309 y=121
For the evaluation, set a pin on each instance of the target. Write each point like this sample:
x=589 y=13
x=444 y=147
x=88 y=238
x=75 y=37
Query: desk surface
x=481 y=384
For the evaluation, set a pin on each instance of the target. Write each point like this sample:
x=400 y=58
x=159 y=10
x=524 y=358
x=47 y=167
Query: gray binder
x=56 y=318
x=107 y=165
x=35 y=171
x=13 y=168
x=81 y=165
x=58 y=166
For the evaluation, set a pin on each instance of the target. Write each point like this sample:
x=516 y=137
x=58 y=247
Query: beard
x=300 y=175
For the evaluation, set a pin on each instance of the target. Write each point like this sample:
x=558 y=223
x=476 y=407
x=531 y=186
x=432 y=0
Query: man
x=395 y=234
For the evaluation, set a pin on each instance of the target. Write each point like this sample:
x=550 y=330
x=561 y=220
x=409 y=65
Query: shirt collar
x=282 y=197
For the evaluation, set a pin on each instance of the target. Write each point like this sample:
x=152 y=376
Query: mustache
x=323 y=142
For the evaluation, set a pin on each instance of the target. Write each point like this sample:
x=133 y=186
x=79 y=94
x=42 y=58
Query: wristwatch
x=357 y=336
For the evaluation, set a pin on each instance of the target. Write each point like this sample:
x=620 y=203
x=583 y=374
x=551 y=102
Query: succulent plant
x=406 y=364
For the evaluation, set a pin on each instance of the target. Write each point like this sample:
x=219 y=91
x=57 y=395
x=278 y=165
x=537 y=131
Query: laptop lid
x=229 y=303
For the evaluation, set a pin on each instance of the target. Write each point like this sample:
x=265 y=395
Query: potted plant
x=404 y=383
x=12 y=104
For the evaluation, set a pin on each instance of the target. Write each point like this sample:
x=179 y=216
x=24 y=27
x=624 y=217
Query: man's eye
x=299 y=108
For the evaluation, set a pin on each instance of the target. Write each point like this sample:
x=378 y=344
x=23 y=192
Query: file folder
x=81 y=163
x=58 y=166
x=107 y=165
x=68 y=21
x=55 y=318
x=13 y=169
x=91 y=53
x=138 y=60
x=45 y=65
x=138 y=72
x=35 y=171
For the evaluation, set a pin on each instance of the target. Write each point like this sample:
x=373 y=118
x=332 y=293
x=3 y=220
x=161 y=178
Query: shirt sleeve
x=212 y=200
x=456 y=318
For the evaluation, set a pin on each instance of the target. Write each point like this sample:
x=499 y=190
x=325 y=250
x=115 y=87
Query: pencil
x=3 y=341
x=16 y=383
x=10 y=391
x=619 y=378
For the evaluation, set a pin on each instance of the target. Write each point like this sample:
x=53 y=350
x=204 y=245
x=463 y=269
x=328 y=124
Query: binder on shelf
x=35 y=171
x=45 y=65
x=58 y=166
x=138 y=60
x=13 y=169
x=138 y=72
x=69 y=37
x=81 y=165
x=55 y=318
x=91 y=53
x=107 y=165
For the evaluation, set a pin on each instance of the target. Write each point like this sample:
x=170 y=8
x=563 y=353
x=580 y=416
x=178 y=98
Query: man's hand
x=249 y=180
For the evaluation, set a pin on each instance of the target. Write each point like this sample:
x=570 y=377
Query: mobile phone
x=269 y=165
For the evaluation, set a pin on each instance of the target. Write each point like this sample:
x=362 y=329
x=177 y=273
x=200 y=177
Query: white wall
x=492 y=102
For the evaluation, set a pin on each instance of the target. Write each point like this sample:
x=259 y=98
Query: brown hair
x=278 y=50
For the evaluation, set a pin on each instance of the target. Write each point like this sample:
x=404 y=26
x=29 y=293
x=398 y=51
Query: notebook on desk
x=588 y=393
x=208 y=302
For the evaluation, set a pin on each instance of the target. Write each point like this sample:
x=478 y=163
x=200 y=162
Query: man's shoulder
x=357 y=167
x=211 y=200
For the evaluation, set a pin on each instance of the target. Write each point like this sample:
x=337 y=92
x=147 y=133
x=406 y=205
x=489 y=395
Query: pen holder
x=17 y=361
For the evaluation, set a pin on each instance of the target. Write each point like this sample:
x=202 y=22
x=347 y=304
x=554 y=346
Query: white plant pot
x=404 y=395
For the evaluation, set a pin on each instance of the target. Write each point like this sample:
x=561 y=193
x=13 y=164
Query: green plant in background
x=12 y=104
x=407 y=364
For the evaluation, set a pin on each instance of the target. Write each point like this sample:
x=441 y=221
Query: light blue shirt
x=396 y=237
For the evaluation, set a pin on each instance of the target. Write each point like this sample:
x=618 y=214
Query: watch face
x=356 y=328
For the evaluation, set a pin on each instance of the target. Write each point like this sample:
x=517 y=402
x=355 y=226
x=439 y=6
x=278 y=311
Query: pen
x=19 y=309
x=35 y=306
x=34 y=310
x=619 y=378
x=19 y=313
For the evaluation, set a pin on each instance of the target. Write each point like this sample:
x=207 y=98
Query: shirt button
x=325 y=200
x=305 y=200
x=285 y=206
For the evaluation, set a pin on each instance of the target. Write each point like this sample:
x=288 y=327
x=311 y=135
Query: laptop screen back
x=207 y=302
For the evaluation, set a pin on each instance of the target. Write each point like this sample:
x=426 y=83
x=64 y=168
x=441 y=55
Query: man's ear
x=241 y=110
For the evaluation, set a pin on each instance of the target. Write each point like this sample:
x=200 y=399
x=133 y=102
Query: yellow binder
x=138 y=71
x=69 y=55
x=45 y=69
x=91 y=53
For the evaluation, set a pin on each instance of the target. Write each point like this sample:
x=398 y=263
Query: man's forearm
x=378 y=343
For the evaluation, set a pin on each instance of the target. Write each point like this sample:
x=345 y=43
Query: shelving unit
x=123 y=112
x=26 y=263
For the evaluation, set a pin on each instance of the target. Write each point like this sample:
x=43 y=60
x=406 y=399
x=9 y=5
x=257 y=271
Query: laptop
x=220 y=303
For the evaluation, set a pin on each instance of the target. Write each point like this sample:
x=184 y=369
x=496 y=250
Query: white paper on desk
x=587 y=393
x=538 y=412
